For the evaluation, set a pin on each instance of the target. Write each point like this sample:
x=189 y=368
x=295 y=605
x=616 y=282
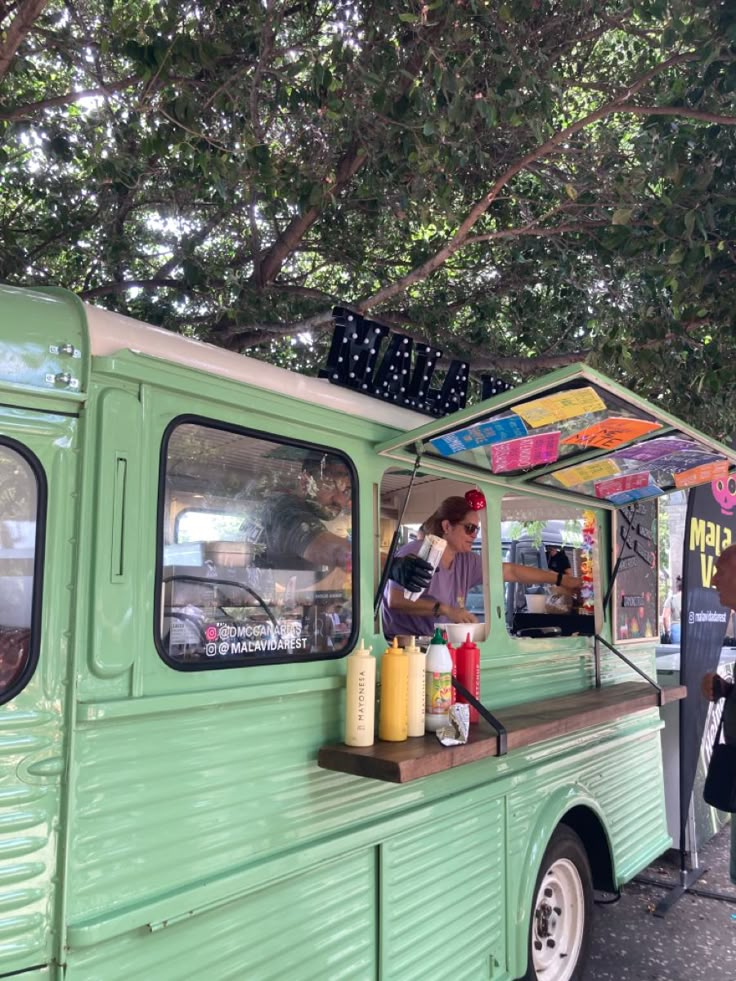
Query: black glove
x=411 y=572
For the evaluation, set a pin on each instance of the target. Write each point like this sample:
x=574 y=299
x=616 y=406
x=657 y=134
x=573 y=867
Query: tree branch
x=538 y=232
x=682 y=111
x=525 y=365
x=22 y=112
x=134 y=284
x=270 y=263
x=28 y=12
x=481 y=207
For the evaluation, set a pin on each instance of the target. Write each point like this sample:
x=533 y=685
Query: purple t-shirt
x=449 y=586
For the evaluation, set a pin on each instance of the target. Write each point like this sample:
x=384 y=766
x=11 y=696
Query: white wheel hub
x=559 y=922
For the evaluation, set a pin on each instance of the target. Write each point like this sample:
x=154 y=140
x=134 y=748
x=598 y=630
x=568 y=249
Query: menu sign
x=611 y=433
x=656 y=449
x=617 y=485
x=636 y=494
x=564 y=405
x=635 y=588
x=595 y=470
x=480 y=434
x=706 y=473
x=520 y=454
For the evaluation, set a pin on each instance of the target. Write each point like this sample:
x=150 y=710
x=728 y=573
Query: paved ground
x=695 y=941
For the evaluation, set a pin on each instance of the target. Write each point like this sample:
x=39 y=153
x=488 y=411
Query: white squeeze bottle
x=417 y=688
x=360 y=697
x=439 y=684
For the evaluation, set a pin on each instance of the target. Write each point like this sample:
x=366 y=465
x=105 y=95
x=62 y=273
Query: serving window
x=256 y=547
x=539 y=533
x=461 y=589
x=21 y=494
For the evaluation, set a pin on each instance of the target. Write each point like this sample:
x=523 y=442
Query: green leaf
x=621 y=216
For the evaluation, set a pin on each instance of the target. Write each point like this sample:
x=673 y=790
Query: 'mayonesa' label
x=227 y=639
x=438 y=692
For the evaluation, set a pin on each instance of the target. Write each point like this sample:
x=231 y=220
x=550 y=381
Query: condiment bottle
x=417 y=688
x=467 y=667
x=453 y=655
x=439 y=684
x=360 y=697
x=393 y=718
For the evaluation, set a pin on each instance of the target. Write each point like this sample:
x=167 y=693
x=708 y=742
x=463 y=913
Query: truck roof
x=54 y=323
x=112 y=332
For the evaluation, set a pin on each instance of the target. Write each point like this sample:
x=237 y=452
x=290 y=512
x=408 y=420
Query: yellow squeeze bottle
x=394 y=702
x=417 y=688
x=360 y=697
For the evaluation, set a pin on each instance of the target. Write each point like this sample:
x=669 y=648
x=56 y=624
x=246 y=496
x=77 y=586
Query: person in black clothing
x=557 y=560
x=713 y=686
x=293 y=522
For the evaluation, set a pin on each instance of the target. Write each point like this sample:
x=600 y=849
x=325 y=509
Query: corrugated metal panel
x=537 y=669
x=170 y=800
x=166 y=801
x=443 y=898
x=27 y=814
x=319 y=926
x=622 y=778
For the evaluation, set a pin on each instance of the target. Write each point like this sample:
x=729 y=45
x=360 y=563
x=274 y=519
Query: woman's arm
x=425 y=607
x=530 y=575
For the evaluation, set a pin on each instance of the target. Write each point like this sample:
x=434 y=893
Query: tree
x=524 y=184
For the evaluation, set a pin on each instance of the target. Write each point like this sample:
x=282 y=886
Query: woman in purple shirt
x=459 y=570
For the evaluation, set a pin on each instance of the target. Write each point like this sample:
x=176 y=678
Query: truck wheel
x=562 y=911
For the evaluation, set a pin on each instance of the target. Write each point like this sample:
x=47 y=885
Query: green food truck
x=176 y=800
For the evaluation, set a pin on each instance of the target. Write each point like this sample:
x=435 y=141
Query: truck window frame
x=23 y=677
x=216 y=664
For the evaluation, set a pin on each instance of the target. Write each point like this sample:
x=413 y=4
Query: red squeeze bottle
x=467 y=663
x=453 y=655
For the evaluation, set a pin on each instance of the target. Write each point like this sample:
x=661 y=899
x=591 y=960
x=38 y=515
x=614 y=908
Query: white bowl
x=457 y=632
x=535 y=602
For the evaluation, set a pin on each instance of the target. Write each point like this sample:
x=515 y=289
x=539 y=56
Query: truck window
x=256 y=549
x=19 y=507
x=459 y=590
x=541 y=534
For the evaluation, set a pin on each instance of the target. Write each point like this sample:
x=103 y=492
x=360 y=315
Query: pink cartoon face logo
x=724 y=491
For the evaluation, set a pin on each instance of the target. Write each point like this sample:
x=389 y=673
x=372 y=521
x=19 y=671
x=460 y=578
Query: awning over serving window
x=574 y=432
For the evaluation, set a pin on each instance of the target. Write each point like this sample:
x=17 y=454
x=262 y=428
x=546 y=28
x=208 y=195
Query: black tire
x=560 y=923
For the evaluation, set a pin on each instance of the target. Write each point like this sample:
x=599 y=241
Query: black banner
x=709 y=529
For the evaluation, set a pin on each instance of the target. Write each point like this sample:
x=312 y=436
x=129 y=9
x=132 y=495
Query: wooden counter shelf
x=525 y=724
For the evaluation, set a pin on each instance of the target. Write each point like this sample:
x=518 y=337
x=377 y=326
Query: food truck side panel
x=225 y=782
x=199 y=834
x=39 y=480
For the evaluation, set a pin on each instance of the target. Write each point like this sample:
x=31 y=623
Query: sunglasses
x=471 y=529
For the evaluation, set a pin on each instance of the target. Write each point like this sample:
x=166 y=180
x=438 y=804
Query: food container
x=535 y=602
x=230 y=554
x=457 y=632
